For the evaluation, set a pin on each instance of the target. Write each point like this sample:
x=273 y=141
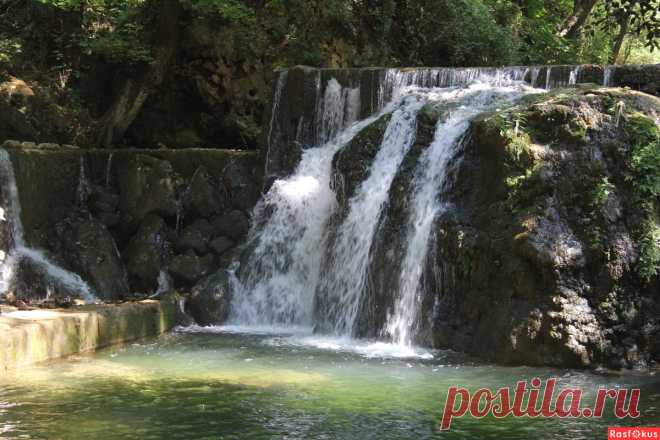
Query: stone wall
x=129 y=220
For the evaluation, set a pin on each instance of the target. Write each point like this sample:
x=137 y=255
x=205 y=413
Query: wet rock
x=210 y=299
x=145 y=254
x=196 y=237
x=234 y=225
x=351 y=165
x=189 y=268
x=203 y=198
x=147 y=185
x=221 y=245
x=90 y=250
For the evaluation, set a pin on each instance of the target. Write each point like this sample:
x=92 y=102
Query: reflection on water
x=212 y=385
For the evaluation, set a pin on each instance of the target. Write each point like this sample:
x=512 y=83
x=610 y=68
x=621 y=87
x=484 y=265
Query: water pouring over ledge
x=309 y=261
x=18 y=249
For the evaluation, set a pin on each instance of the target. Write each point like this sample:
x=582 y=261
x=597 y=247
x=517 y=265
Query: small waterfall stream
x=18 y=249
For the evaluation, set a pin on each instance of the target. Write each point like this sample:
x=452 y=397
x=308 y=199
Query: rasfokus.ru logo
x=537 y=399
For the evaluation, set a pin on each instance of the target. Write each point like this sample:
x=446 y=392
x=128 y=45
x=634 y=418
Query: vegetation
x=644 y=174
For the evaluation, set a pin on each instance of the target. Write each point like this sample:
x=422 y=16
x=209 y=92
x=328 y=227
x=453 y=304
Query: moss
x=644 y=175
x=595 y=222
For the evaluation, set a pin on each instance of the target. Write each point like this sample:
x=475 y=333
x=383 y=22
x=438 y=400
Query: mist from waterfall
x=19 y=250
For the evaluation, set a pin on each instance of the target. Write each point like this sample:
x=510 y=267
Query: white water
x=292 y=239
x=607 y=76
x=19 y=249
x=573 y=76
x=430 y=176
x=289 y=232
x=548 y=74
x=346 y=278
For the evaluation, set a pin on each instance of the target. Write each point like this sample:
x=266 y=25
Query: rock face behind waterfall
x=549 y=257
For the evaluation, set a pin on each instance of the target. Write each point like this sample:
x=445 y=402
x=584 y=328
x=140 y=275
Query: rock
x=203 y=197
x=210 y=299
x=189 y=268
x=102 y=200
x=234 y=225
x=196 y=237
x=221 y=245
x=145 y=254
x=351 y=165
x=147 y=186
x=90 y=250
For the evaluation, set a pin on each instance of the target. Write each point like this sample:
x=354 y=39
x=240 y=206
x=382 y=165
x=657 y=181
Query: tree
x=574 y=23
x=637 y=17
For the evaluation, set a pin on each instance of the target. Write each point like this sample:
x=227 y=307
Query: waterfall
x=108 y=170
x=346 y=275
x=548 y=74
x=534 y=76
x=339 y=108
x=573 y=76
x=426 y=205
x=19 y=250
x=289 y=229
x=607 y=76
x=307 y=263
x=83 y=184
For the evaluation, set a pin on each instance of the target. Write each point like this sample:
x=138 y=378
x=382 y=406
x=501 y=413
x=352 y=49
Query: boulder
x=147 y=186
x=146 y=253
x=203 y=198
x=91 y=251
x=234 y=225
x=189 y=268
x=195 y=237
x=221 y=245
x=210 y=299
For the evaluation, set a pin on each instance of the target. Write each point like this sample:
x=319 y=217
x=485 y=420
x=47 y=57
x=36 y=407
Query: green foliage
x=10 y=48
x=599 y=196
x=644 y=174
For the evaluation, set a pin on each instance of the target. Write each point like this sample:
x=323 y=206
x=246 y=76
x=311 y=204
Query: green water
x=225 y=386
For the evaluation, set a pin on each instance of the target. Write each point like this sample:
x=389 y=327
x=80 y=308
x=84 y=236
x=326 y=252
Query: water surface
x=210 y=385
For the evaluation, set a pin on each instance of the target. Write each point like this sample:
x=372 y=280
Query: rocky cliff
x=550 y=253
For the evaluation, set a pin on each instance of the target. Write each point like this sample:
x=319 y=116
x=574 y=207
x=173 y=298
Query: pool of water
x=223 y=384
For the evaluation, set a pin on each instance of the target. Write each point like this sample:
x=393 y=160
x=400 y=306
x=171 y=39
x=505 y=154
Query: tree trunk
x=623 y=30
x=572 y=25
x=135 y=90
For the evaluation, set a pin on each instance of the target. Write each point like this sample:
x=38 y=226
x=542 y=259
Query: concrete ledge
x=30 y=337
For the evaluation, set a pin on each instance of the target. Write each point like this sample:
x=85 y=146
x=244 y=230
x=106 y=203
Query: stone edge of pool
x=37 y=336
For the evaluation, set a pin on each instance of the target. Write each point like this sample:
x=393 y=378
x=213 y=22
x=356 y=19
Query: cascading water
x=289 y=229
x=19 y=250
x=607 y=76
x=303 y=255
x=429 y=178
x=346 y=276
